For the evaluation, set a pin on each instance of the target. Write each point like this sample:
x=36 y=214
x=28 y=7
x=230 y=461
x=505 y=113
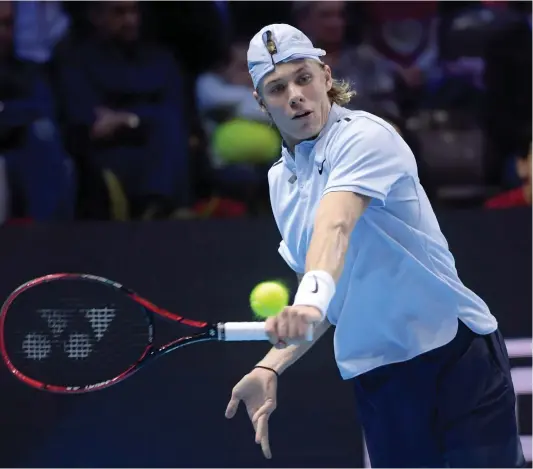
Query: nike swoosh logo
x=316 y=286
x=321 y=167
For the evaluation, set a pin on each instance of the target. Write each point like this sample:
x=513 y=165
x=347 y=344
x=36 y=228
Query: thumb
x=233 y=405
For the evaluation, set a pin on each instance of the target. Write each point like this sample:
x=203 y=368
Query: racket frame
x=221 y=331
x=208 y=332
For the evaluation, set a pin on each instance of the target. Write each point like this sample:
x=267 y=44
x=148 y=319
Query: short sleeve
x=289 y=258
x=368 y=158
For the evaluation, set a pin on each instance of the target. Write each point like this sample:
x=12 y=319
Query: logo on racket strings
x=38 y=346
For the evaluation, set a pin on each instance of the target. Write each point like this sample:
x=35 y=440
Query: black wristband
x=267 y=368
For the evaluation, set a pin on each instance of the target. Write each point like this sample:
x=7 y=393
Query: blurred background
x=144 y=110
x=131 y=147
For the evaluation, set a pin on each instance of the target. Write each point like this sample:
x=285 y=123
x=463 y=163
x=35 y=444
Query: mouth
x=302 y=114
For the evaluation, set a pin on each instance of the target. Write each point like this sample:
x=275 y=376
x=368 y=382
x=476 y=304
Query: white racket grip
x=249 y=331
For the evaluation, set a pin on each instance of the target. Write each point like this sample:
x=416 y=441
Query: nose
x=295 y=96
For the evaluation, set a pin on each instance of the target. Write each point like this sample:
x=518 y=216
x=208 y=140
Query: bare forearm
x=281 y=359
x=335 y=221
x=327 y=250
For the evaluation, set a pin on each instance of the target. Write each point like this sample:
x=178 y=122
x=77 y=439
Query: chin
x=310 y=131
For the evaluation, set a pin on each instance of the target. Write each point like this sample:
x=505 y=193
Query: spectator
x=196 y=32
x=520 y=196
x=242 y=144
x=36 y=162
x=371 y=76
x=227 y=93
x=405 y=35
x=122 y=100
x=39 y=26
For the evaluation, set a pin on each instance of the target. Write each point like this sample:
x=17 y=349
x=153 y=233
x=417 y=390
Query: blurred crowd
x=144 y=110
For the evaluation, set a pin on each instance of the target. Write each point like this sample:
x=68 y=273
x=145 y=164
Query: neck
x=291 y=142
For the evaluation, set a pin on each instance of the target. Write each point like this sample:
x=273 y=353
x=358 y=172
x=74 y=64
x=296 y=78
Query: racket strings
x=92 y=335
x=38 y=346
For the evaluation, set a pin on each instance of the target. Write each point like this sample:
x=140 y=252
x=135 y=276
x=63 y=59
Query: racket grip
x=249 y=331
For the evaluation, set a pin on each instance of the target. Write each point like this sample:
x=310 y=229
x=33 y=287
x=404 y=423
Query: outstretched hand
x=257 y=390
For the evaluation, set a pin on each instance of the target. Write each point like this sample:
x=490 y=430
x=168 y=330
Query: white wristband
x=316 y=289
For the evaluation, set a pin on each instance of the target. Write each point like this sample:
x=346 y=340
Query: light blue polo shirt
x=399 y=294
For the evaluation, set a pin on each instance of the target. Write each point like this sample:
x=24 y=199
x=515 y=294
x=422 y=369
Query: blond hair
x=341 y=92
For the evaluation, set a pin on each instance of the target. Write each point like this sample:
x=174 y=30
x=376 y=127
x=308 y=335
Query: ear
x=329 y=78
x=260 y=101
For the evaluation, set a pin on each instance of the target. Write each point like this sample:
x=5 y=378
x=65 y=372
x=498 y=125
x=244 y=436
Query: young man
x=429 y=366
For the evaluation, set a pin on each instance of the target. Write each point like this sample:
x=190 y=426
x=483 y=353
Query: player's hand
x=291 y=325
x=258 y=392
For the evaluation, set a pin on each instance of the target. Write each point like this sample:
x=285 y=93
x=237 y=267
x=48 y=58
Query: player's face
x=295 y=95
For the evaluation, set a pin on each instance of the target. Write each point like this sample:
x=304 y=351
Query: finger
x=259 y=426
x=293 y=327
x=233 y=405
x=251 y=415
x=282 y=324
x=261 y=435
x=303 y=327
x=271 y=330
x=266 y=409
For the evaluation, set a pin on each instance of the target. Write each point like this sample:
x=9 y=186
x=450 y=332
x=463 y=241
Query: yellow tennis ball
x=241 y=141
x=269 y=298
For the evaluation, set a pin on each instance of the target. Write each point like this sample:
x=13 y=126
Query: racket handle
x=248 y=331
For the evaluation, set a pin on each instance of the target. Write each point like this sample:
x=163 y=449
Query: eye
x=277 y=88
x=305 y=79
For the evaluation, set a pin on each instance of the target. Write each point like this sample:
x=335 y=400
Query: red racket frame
x=208 y=332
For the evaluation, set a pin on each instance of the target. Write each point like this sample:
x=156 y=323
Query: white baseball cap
x=275 y=44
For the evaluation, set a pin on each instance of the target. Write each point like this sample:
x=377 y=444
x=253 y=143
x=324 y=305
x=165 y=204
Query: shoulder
x=281 y=179
x=361 y=123
x=276 y=170
x=362 y=128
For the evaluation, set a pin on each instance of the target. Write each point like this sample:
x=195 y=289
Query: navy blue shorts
x=451 y=407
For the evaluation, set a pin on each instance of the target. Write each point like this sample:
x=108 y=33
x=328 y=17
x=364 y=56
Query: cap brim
x=290 y=55
x=299 y=53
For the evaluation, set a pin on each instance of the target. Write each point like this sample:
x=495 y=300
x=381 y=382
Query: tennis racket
x=74 y=333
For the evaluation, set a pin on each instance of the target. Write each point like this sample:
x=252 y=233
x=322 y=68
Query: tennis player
x=428 y=364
